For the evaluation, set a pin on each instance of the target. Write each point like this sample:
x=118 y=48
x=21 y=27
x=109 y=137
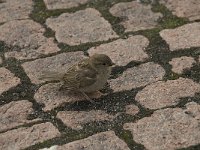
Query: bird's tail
x=51 y=76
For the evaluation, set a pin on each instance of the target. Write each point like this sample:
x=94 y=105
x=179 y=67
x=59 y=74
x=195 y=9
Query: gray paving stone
x=14 y=10
x=24 y=137
x=182 y=63
x=137 y=77
x=162 y=94
x=184 y=8
x=27 y=37
x=7 y=80
x=76 y=119
x=100 y=141
x=132 y=109
x=52 y=97
x=81 y=27
x=136 y=16
x=166 y=129
x=182 y=37
x=14 y=114
x=63 y=4
x=123 y=51
x=60 y=63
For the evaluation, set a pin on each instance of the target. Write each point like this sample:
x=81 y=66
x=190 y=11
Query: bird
x=86 y=76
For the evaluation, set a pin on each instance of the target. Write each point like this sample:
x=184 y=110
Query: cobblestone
x=60 y=4
x=7 y=80
x=184 y=8
x=21 y=9
x=81 y=27
x=24 y=137
x=162 y=94
x=100 y=141
x=185 y=36
x=182 y=63
x=170 y=128
x=14 y=114
x=136 y=16
x=75 y=119
x=27 y=38
x=123 y=51
x=57 y=63
x=137 y=77
x=132 y=109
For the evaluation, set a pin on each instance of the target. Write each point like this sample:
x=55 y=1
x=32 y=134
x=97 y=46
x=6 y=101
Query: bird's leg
x=87 y=97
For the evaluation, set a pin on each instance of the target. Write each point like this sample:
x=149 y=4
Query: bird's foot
x=88 y=98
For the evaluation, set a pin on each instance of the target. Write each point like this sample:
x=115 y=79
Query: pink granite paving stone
x=15 y=10
x=81 y=27
x=76 y=119
x=139 y=76
x=182 y=63
x=182 y=37
x=63 y=4
x=27 y=38
x=123 y=51
x=137 y=16
x=166 y=93
x=100 y=141
x=14 y=114
x=184 y=8
x=7 y=80
x=132 y=109
x=24 y=137
x=170 y=128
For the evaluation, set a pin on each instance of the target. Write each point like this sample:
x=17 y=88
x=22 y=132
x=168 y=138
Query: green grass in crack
x=168 y=20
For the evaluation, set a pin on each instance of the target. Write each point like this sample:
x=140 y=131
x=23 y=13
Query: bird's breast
x=100 y=82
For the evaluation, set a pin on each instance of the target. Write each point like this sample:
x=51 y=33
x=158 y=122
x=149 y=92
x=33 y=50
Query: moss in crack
x=41 y=13
x=158 y=50
x=49 y=33
x=193 y=73
x=128 y=138
x=168 y=20
x=193 y=147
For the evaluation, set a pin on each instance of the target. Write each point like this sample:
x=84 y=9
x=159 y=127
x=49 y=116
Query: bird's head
x=101 y=61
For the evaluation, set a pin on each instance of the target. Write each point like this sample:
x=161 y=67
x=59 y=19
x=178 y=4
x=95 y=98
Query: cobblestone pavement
x=152 y=99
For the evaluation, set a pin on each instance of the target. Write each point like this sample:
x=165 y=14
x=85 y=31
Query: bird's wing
x=79 y=76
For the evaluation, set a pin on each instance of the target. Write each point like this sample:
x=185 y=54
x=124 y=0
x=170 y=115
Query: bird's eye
x=104 y=64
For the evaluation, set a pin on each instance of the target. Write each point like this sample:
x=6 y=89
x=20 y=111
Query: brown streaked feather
x=79 y=76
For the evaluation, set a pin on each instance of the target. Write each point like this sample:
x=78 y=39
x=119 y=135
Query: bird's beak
x=112 y=64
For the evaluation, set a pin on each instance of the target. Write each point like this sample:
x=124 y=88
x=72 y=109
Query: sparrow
x=86 y=76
